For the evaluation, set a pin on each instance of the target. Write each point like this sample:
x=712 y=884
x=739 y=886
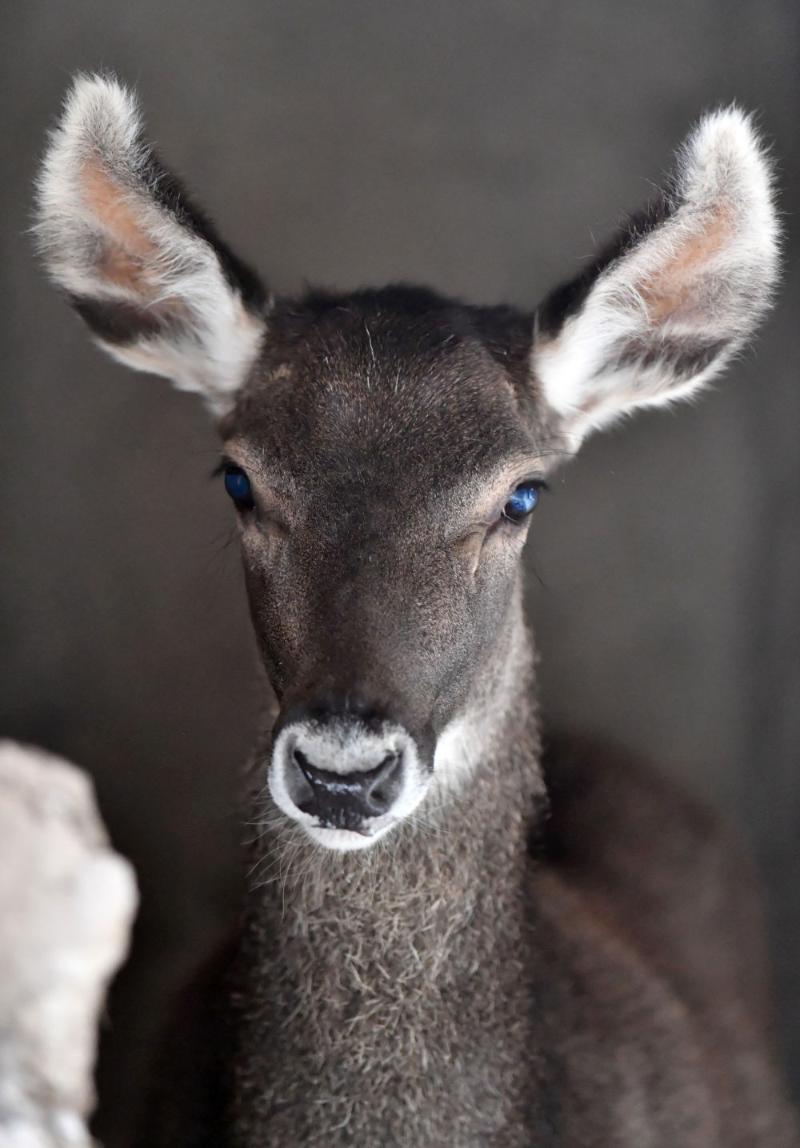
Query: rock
x=67 y=902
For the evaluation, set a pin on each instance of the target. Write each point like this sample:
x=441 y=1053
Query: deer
x=453 y=932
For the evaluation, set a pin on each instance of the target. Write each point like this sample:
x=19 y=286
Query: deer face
x=385 y=465
x=385 y=449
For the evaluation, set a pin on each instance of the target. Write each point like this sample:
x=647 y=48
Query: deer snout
x=344 y=800
x=345 y=782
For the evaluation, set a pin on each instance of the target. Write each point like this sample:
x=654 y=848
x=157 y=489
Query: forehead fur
x=395 y=369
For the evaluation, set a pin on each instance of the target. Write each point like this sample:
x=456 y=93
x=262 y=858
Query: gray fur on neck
x=387 y=993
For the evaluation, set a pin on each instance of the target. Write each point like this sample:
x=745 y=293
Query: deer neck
x=356 y=960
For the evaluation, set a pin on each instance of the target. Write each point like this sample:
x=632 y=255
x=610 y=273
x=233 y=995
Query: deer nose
x=343 y=800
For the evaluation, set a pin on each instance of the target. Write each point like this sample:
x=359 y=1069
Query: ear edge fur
x=723 y=161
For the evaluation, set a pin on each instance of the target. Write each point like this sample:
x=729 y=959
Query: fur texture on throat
x=387 y=996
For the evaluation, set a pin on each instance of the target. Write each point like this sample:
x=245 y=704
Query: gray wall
x=478 y=147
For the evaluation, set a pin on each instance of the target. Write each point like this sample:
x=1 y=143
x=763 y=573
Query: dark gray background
x=480 y=148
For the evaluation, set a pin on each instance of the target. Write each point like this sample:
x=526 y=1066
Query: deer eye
x=523 y=501
x=237 y=485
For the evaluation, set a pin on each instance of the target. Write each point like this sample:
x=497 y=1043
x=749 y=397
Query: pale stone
x=67 y=902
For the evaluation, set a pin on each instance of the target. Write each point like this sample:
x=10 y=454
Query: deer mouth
x=343 y=840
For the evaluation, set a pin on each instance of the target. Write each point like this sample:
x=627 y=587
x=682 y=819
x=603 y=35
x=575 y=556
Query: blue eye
x=522 y=502
x=237 y=485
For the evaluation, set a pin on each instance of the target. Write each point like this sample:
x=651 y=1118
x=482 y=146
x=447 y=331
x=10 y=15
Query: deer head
x=385 y=449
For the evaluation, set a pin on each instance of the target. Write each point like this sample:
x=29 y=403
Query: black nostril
x=304 y=765
x=383 y=790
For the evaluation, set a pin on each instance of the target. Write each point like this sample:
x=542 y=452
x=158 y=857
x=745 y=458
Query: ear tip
x=727 y=141
x=100 y=115
x=97 y=105
x=101 y=82
x=726 y=160
x=730 y=127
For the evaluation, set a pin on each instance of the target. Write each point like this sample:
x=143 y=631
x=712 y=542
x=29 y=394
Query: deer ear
x=140 y=264
x=664 y=308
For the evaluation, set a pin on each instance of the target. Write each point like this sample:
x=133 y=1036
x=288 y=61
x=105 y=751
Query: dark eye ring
x=237 y=486
x=523 y=501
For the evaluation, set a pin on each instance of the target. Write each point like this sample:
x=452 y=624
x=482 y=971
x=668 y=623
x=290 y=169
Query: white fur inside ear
x=682 y=296
x=148 y=281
